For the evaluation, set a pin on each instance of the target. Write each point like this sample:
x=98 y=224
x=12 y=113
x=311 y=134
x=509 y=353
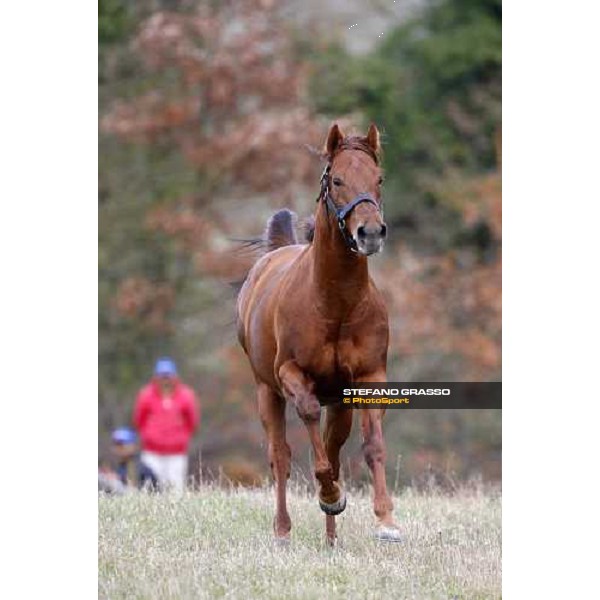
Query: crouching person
x=126 y=470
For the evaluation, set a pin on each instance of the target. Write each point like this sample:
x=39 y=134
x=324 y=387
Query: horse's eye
x=337 y=181
x=380 y=180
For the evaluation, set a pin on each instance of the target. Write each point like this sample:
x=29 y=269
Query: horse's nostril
x=383 y=230
x=361 y=232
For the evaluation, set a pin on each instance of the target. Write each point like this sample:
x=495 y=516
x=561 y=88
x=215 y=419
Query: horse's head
x=351 y=189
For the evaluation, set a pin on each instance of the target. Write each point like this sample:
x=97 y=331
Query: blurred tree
x=205 y=107
x=115 y=20
x=434 y=86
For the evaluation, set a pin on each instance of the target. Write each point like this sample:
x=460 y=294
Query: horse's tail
x=281 y=230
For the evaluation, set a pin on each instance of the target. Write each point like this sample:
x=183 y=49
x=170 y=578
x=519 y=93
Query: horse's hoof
x=384 y=533
x=336 y=507
x=281 y=542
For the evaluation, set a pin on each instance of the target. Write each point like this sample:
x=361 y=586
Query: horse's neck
x=341 y=277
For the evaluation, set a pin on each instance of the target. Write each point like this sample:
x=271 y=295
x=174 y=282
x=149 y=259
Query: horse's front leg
x=338 y=424
x=299 y=389
x=375 y=455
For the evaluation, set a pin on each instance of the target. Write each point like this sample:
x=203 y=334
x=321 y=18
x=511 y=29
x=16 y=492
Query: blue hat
x=124 y=435
x=165 y=366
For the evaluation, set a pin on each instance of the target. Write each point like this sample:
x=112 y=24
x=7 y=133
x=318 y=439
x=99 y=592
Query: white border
x=551 y=302
x=48 y=55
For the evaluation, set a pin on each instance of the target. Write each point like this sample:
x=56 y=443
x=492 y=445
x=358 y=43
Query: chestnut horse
x=310 y=318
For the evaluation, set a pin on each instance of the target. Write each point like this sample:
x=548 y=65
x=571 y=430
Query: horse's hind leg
x=272 y=414
x=299 y=389
x=338 y=424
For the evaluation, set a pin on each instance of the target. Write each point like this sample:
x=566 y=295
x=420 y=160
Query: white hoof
x=336 y=507
x=383 y=533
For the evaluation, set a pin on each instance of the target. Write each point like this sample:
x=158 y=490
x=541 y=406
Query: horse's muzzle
x=369 y=238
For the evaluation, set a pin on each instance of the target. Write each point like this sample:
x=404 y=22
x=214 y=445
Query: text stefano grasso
x=398 y=392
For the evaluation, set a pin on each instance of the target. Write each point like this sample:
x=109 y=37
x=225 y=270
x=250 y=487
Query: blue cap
x=124 y=435
x=165 y=367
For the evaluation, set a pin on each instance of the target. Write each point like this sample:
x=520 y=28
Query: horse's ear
x=334 y=139
x=373 y=138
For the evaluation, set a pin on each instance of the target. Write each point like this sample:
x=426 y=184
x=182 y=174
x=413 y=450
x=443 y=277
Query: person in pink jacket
x=166 y=415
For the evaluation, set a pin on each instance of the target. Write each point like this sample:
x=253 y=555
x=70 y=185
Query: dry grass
x=217 y=544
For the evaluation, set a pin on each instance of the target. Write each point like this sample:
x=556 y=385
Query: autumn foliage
x=205 y=138
x=451 y=303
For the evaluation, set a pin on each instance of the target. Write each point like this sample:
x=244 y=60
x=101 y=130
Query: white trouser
x=170 y=469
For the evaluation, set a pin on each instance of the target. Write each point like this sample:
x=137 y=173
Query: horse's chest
x=331 y=359
x=330 y=352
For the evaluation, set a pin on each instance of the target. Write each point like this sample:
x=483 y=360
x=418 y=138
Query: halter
x=343 y=211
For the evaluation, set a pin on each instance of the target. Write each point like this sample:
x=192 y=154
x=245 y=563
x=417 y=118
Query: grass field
x=217 y=544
